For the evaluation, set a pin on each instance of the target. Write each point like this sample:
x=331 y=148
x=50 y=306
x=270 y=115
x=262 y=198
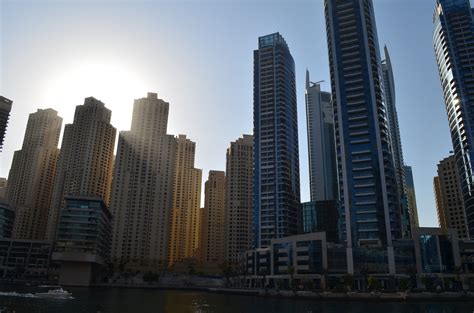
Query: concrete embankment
x=309 y=295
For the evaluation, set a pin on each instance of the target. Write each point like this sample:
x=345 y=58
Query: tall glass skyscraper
x=390 y=102
x=370 y=211
x=453 y=40
x=276 y=161
x=321 y=143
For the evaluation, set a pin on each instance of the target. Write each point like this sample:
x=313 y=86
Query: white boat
x=59 y=293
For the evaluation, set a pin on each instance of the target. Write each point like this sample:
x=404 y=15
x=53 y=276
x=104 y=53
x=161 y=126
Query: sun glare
x=111 y=82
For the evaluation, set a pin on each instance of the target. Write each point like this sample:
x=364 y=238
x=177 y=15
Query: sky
x=198 y=56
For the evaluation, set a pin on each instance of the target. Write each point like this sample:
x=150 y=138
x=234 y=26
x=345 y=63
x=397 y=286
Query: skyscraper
x=238 y=198
x=397 y=152
x=321 y=143
x=32 y=175
x=5 y=108
x=449 y=199
x=142 y=187
x=370 y=211
x=186 y=203
x=86 y=159
x=452 y=36
x=276 y=185
x=213 y=220
x=411 y=196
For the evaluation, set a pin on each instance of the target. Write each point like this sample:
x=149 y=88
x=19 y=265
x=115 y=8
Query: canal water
x=116 y=300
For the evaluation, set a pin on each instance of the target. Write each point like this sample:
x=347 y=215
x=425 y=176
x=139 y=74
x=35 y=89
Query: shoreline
x=310 y=295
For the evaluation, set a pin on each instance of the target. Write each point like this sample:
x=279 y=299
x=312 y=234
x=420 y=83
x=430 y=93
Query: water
x=117 y=300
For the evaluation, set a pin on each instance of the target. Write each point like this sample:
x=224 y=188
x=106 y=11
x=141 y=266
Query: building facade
x=83 y=240
x=186 y=203
x=142 y=187
x=321 y=143
x=5 y=108
x=411 y=196
x=7 y=218
x=369 y=208
x=213 y=222
x=32 y=175
x=449 y=198
x=86 y=159
x=453 y=31
x=25 y=259
x=238 y=198
x=276 y=203
x=397 y=151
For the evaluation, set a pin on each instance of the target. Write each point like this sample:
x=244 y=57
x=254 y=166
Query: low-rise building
x=25 y=259
x=83 y=240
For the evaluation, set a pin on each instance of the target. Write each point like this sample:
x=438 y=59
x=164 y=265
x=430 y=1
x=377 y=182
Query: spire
x=307 y=79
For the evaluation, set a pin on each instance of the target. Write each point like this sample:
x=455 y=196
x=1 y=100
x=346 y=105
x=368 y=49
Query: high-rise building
x=369 y=209
x=32 y=175
x=5 y=108
x=321 y=143
x=238 y=198
x=452 y=36
x=7 y=217
x=397 y=151
x=3 y=187
x=411 y=196
x=186 y=203
x=86 y=159
x=449 y=199
x=321 y=216
x=276 y=202
x=142 y=188
x=213 y=220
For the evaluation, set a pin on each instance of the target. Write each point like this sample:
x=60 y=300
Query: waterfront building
x=83 y=240
x=3 y=187
x=186 y=203
x=7 y=218
x=321 y=143
x=369 y=200
x=437 y=251
x=86 y=159
x=449 y=198
x=397 y=151
x=452 y=33
x=411 y=196
x=142 y=188
x=25 y=259
x=321 y=216
x=276 y=202
x=32 y=175
x=213 y=222
x=238 y=198
x=5 y=108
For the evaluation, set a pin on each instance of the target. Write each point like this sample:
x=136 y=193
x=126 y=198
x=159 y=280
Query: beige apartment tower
x=238 y=198
x=185 y=217
x=86 y=159
x=32 y=174
x=449 y=200
x=213 y=222
x=142 y=188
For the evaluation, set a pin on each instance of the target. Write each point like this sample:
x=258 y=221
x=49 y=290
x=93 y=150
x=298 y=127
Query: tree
x=373 y=284
x=150 y=277
x=428 y=282
x=404 y=284
x=349 y=281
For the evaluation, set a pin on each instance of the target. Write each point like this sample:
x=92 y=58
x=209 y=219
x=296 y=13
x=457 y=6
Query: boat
x=58 y=293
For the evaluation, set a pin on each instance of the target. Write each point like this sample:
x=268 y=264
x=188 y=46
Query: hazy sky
x=197 y=55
